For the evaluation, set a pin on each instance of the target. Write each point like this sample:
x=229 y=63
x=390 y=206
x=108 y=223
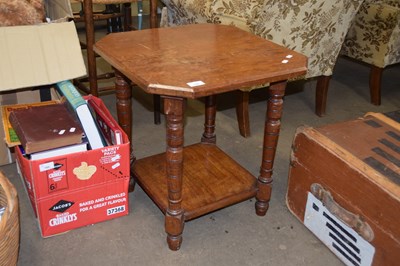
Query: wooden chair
x=89 y=17
x=113 y=16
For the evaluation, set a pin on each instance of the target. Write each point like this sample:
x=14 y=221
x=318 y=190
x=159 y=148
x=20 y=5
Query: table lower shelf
x=211 y=180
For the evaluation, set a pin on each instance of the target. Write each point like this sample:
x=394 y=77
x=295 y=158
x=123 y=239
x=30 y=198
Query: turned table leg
x=271 y=135
x=209 y=123
x=124 y=103
x=174 y=217
x=123 y=92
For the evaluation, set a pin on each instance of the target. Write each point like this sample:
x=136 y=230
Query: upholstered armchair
x=315 y=28
x=374 y=38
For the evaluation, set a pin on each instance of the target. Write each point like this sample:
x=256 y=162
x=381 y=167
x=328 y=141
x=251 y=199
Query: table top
x=199 y=59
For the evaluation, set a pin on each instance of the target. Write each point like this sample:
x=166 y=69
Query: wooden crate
x=344 y=185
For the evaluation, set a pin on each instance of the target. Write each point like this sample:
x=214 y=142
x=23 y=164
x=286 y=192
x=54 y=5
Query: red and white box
x=78 y=189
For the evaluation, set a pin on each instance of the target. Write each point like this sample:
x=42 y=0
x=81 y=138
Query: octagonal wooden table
x=193 y=61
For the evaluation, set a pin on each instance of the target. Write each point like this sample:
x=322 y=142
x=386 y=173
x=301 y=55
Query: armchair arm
x=374 y=36
x=316 y=29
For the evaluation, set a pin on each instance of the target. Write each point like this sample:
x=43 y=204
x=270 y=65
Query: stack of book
x=47 y=130
x=65 y=127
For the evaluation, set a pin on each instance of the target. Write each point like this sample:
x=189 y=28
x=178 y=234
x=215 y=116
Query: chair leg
x=375 y=78
x=321 y=95
x=127 y=16
x=91 y=57
x=153 y=14
x=242 y=113
x=140 y=14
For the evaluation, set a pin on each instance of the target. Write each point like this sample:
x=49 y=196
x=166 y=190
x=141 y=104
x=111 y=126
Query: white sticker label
x=195 y=83
x=46 y=166
x=116 y=210
x=341 y=239
x=115 y=165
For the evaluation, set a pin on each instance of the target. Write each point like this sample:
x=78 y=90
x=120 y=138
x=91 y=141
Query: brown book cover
x=45 y=127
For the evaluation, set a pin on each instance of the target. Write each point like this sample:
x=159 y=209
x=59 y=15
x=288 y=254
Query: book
x=11 y=137
x=79 y=105
x=59 y=151
x=108 y=127
x=45 y=127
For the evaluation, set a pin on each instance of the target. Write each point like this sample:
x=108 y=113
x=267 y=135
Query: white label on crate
x=46 y=166
x=115 y=165
x=342 y=240
x=115 y=210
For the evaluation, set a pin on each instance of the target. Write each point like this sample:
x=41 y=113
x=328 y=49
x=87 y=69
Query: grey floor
x=231 y=236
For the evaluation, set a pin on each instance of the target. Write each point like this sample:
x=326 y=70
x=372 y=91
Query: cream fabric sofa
x=315 y=28
x=374 y=38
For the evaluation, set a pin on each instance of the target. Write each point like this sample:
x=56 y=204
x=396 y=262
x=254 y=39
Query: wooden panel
x=211 y=180
x=373 y=142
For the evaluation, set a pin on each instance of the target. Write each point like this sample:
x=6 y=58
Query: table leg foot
x=263 y=196
x=261 y=208
x=132 y=184
x=174 y=227
x=174 y=242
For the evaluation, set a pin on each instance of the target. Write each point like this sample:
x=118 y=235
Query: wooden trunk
x=344 y=185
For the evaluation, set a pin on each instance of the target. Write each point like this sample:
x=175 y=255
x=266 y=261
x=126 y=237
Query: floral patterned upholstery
x=315 y=28
x=374 y=38
x=182 y=12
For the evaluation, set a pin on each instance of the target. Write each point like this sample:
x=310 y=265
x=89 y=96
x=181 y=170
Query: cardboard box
x=41 y=54
x=37 y=55
x=78 y=189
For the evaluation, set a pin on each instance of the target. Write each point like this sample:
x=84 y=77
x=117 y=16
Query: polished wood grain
x=188 y=182
x=207 y=181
